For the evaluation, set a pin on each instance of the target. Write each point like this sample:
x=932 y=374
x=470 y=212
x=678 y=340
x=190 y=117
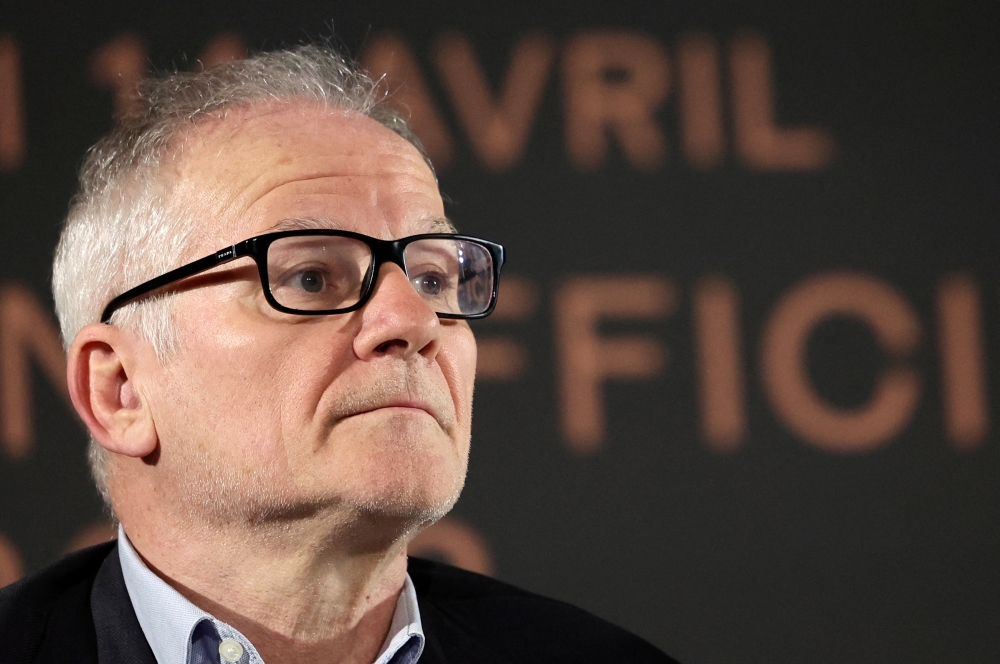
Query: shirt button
x=230 y=650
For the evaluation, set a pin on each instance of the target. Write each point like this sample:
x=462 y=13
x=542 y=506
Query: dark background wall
x=741 y=392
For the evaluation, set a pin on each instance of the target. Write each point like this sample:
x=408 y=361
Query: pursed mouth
x=402 y=405
x=407 y=396
x=399 y=406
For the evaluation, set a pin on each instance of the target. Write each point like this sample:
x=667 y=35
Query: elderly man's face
x=269 y=415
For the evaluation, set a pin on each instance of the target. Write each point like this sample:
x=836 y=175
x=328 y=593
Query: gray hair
x=123 y=228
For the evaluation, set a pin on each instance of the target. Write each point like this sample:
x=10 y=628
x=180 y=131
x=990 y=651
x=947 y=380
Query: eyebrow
x=437 y=225
x=304 y=224
x=443 y=225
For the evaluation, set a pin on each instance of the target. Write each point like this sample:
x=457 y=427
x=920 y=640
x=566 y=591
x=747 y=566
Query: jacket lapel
x=68 y=635
x=447 y=643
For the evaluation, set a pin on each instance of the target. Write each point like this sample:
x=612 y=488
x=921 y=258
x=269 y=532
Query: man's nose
x=397 y=320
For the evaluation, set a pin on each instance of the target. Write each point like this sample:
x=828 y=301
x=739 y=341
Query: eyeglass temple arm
x=207 y=263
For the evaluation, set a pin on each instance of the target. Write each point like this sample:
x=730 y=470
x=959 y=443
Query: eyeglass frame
x=382 y=251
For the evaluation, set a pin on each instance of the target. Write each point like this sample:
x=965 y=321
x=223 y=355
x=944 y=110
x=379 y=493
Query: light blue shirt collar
x=179 y=632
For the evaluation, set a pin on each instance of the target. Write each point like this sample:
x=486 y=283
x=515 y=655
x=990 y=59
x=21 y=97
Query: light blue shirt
x=179 y=632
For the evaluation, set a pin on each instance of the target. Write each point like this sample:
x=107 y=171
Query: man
x=266 y=311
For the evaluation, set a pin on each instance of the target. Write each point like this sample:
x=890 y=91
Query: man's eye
x=429 y=284
x=310 y=281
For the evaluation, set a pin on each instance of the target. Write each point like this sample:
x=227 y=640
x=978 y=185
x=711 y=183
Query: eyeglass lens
x=323 y=273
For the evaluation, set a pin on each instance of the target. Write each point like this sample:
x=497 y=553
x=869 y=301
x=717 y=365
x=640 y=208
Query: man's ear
x=99 y=369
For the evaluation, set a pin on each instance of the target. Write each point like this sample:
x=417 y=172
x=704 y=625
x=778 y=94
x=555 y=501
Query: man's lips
x=405 y=404
x=410 y=404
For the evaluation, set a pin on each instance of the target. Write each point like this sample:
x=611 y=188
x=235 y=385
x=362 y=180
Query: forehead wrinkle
x=278 y=182
x=344 y=161
x=235 y=205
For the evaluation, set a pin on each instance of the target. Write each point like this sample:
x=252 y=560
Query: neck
x=321 y=589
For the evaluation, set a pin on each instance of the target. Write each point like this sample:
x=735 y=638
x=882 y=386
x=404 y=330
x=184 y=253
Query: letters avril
x=613 y=83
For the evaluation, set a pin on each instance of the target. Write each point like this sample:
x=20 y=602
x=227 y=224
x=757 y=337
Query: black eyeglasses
x=319 y=272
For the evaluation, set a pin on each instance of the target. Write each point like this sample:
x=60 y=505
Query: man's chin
x=414 y=508
x=380 y=523
x=404 y=468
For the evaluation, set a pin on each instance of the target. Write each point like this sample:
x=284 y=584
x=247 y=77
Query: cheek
x=212 y=396
x=458 y=362
x=219 y=387
x=268 y=374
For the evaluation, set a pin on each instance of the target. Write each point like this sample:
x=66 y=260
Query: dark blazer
x=78 y=612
